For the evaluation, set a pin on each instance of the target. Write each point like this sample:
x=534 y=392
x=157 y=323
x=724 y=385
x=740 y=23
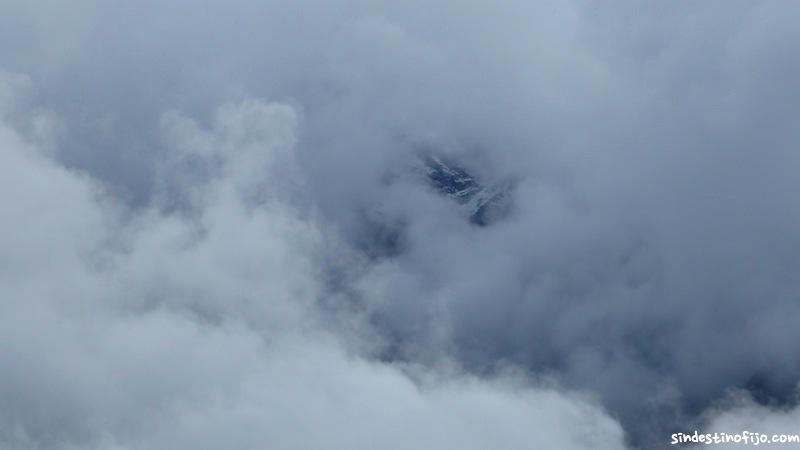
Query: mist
x=398 y=225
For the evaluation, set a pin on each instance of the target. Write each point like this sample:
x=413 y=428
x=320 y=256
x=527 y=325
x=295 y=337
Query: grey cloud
x=649 y=257
x=169 y=329
x=740 y=413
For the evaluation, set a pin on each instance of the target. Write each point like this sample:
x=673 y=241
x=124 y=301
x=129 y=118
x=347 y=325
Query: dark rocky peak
x=483 y=203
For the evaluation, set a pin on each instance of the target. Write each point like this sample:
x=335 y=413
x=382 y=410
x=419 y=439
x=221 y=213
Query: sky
x=215 y=233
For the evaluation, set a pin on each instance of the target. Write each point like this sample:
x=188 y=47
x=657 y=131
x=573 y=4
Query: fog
x=218 y=230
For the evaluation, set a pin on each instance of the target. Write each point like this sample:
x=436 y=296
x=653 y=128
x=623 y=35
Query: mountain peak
x=483 y=203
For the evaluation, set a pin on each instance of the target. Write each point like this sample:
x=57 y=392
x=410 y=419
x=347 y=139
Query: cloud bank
x=167 y=330
x=205 y=204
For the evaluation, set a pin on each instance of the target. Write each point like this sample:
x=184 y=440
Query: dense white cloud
x=197 y=327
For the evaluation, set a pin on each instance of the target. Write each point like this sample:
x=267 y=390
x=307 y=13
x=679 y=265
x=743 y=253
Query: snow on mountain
x=482 y=203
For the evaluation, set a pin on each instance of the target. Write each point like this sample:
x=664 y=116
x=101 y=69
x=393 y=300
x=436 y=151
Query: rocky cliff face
x=480 y=202
x=483 y=203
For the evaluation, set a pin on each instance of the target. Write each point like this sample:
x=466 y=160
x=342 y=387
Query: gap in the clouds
x=483 y=203
x=381 y=234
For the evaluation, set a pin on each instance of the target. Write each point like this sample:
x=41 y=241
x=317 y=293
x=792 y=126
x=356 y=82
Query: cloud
x=741 y=413
x=649 y=257
x=169 y=328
